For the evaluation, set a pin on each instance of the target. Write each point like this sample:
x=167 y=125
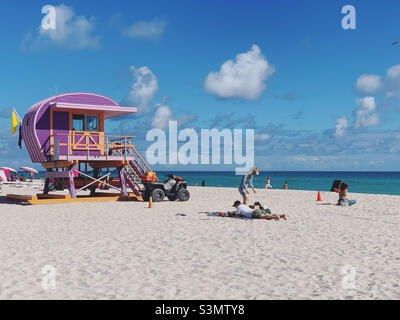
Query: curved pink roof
x=36 y=123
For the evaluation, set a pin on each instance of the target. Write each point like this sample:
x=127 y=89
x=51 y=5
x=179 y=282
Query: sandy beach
x=124 y=250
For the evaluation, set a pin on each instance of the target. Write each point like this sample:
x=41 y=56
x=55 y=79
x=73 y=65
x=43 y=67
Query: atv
x=175 y=188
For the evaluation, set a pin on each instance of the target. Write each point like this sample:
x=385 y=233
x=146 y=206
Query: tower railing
x=106 y=145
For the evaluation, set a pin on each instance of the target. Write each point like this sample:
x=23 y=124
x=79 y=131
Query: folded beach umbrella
x=30 y=170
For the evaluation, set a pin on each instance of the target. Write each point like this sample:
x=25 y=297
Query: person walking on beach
x=268 y=183
x=203 y=183
x=243 y=210
x=285 y=186
x=247 y=180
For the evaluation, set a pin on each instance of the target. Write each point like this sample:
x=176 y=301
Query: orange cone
x=319 y=196
x=151 y=202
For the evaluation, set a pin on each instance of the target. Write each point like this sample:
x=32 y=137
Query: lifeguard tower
x=65 y=133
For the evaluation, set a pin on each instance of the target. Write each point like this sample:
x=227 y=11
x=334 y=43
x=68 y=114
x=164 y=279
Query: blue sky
x=319 y=97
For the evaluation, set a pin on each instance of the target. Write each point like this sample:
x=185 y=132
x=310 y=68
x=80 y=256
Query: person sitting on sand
x=22 y=178
x=268 y=183
x=285 y=186
x=243 y=210
x=343 y=201
x=247 y=180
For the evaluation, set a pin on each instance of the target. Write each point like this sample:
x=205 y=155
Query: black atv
x=175 y=188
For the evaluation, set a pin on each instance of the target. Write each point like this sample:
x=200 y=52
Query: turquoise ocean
x=359 y=182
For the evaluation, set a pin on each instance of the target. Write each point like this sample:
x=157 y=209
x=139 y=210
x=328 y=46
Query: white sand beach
x=124 y=250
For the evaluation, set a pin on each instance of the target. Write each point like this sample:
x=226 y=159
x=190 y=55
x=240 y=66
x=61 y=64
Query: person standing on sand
x=195 y=184
x=247 y=180
x=285 y=186
x=268 y=183
x=203 y=183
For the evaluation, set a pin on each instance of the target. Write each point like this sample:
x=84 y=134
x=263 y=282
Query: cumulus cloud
x=262 y=137
x=162 y=116
x=389 y=86
x=368 y=83
x=341 y=126
x=71 y=32
x=142 y=90
x=365 y=115
x=186 y=119
x=243 y=78
x=392 y=82
x=152 y=30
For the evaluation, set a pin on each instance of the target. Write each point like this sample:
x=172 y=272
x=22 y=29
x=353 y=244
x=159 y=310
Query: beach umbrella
x=3 y=175
x=30 y=170
x=9 y=169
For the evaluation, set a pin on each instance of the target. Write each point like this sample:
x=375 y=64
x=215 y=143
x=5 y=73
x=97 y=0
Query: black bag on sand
x=336 y=185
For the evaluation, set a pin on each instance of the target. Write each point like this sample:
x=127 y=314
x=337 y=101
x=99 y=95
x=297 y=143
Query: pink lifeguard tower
x=65 y=133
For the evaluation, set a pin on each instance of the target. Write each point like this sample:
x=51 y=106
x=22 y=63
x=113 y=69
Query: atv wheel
x=158 y=195
x=183 y=195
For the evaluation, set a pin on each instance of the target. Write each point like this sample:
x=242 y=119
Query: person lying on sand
x=243 y=210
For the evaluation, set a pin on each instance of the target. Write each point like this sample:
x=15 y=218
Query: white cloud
x=392 y=83
x=71 y=32
x=186 y=119
x=262 y=137
x=393 y=72
x=368 y=83
x=146 y=29
x=365 y=115
x=142 y=90
x=243 y=78
x=341 y=126
x=162 y=116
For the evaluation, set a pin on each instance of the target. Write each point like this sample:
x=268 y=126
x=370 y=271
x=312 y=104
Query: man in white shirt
x=243 y=210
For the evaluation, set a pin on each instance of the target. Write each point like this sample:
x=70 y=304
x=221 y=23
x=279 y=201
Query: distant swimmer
x=395 y=43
